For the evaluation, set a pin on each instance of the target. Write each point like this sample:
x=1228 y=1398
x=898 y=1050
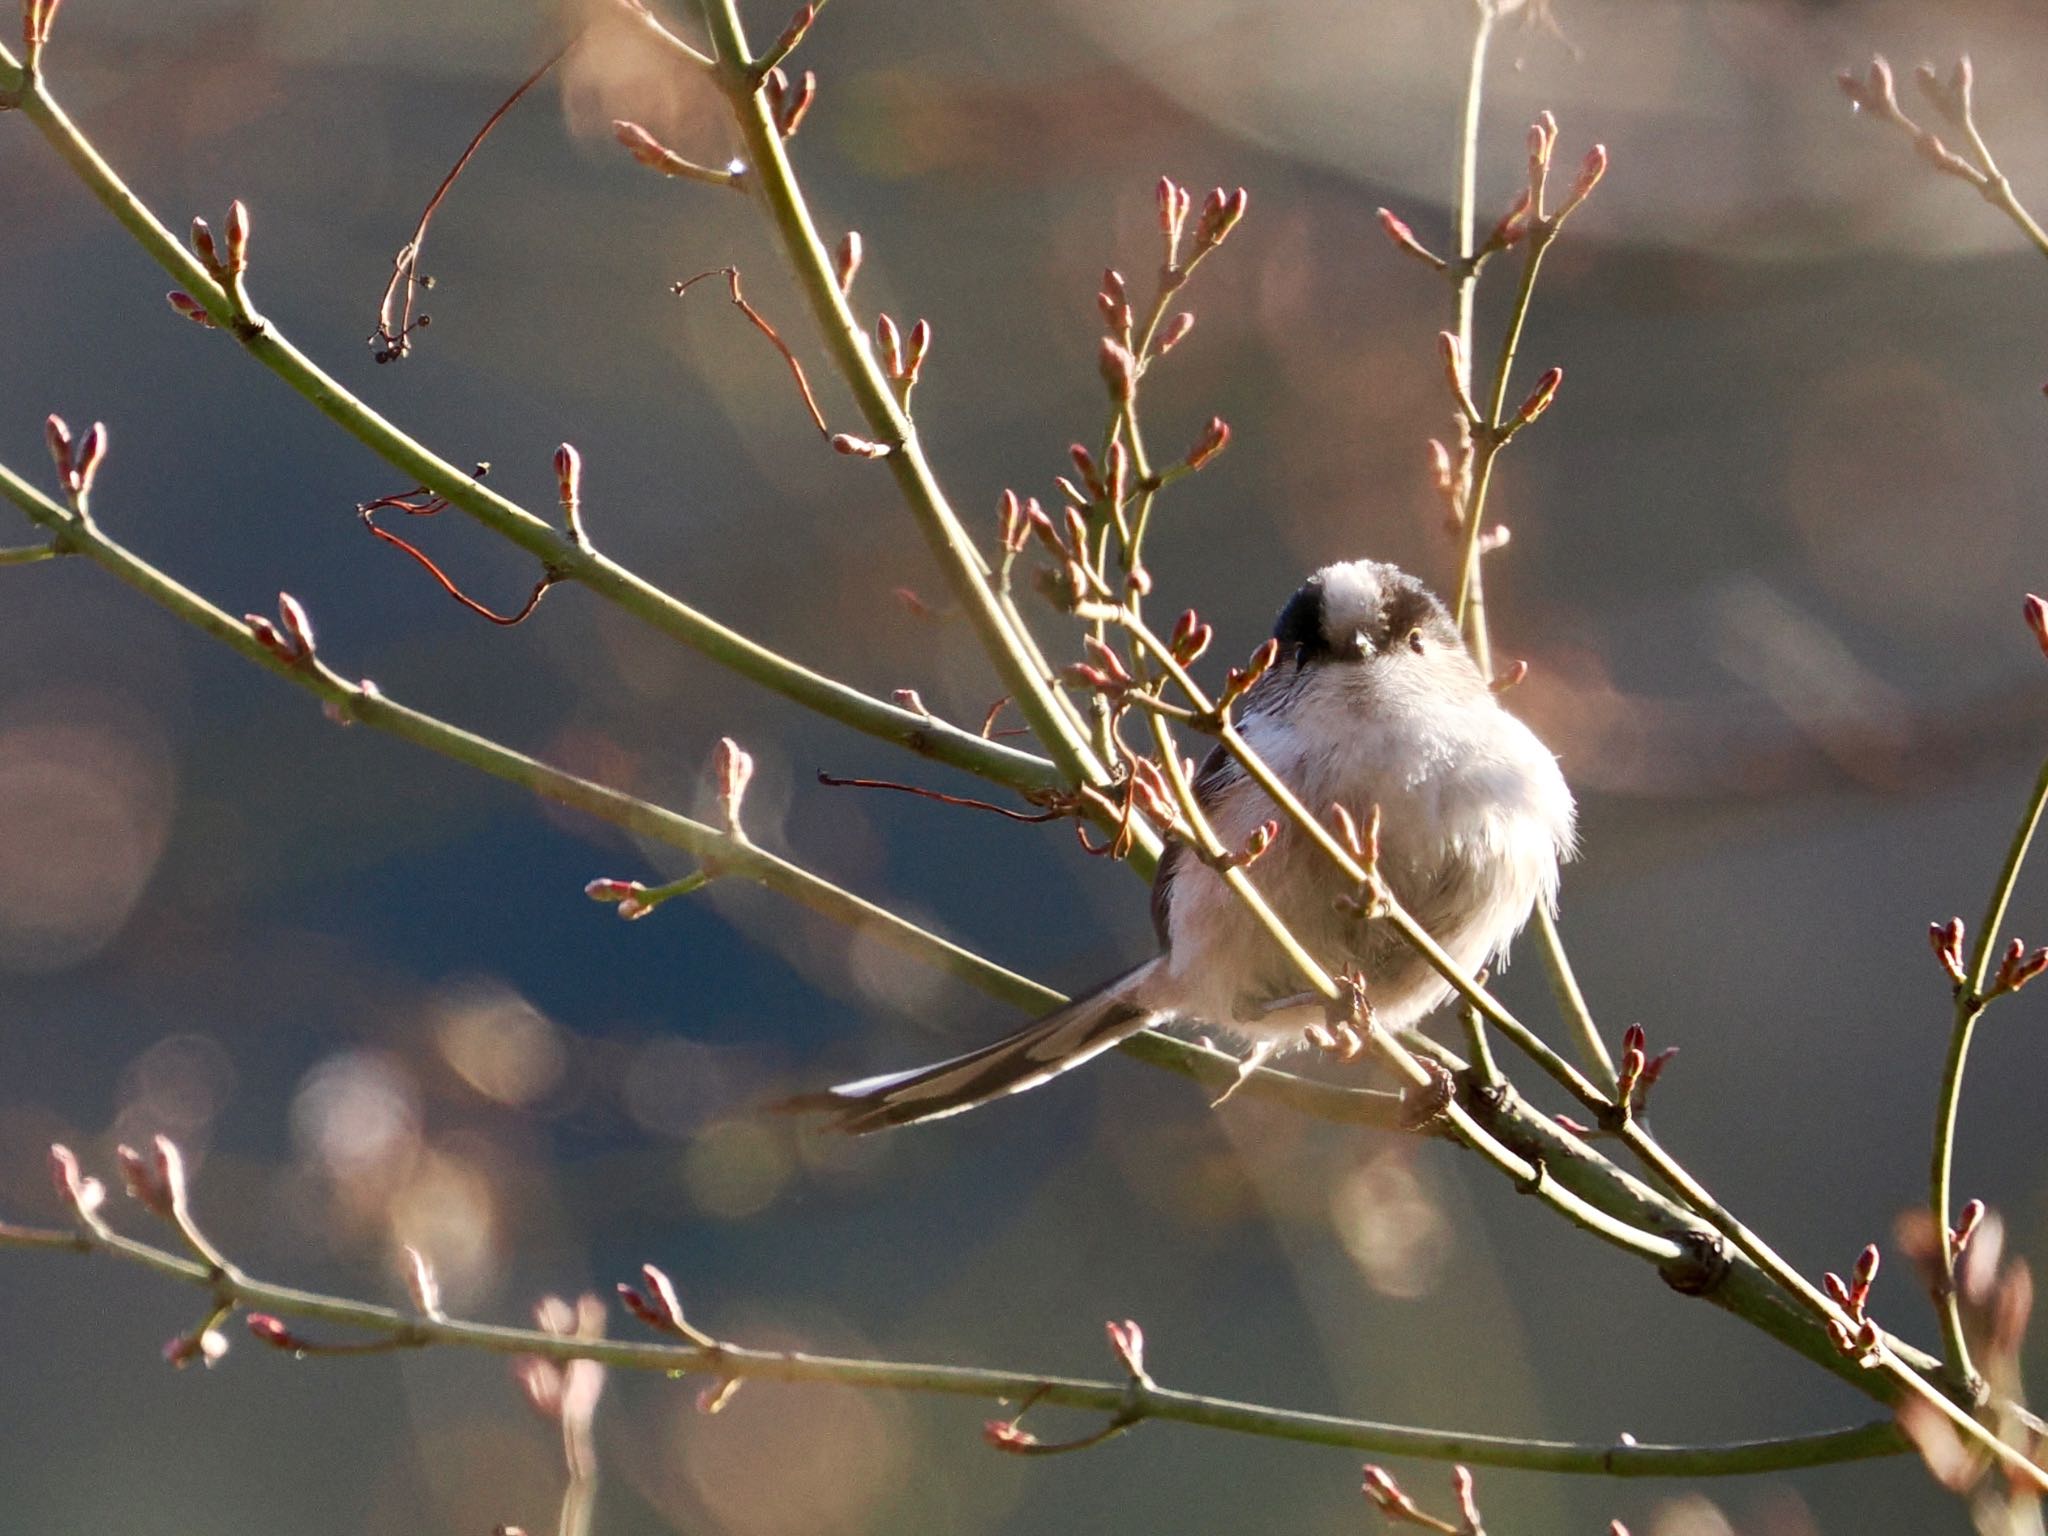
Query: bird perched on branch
x=1372 y=702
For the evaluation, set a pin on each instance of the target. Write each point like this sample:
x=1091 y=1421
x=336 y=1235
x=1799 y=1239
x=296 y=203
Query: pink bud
x=858 y=447
x=1127 y=1339
x=569 y=475
x=913 y=353
x=1214 y=439
x=1540 y=397
x=296 y=624
x=1591 y=169
x=189 y=307
x=891 y=342
x=1175 y=333
x=237 y=238
x=1118 y=368
x=1171 y=209
x=58 y=437
x=87 y=464
x=2036 y=608
x=1404 y=240
x=202 y=242
x=848 y=260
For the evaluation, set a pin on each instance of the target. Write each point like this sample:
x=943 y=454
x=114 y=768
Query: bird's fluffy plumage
x=1374 y=701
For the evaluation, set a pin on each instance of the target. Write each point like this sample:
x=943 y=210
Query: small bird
x=1373 y=701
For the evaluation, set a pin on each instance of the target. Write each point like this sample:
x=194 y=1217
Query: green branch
x=1969 y=1008
x=1132 y=1401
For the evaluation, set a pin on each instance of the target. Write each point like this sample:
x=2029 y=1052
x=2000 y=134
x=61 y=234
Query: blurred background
x=1767 y=563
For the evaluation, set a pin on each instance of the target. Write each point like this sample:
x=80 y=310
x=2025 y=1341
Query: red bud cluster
x=1239 y=680
x=2017 y=967
x=786 y=106
x=1127 y=1339
x=1947 y=940
x=291 y=638
x=76 y=466
x=1221 y=213
x=1190 y=637
x=660 y=1308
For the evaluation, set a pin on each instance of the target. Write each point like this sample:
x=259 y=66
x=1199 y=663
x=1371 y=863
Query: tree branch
x=1134 y=1401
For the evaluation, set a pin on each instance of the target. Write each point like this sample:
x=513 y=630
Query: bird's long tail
x=1075 y=1033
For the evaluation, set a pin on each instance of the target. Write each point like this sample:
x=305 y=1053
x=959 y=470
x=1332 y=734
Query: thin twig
x=393 y=335
x=1625 y=1459
x=1969 y=1008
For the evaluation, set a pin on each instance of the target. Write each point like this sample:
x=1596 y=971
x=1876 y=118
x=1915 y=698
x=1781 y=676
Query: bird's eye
x=1415 y=641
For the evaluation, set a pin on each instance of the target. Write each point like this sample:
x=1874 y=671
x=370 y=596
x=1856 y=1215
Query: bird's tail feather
x=1074 y=1033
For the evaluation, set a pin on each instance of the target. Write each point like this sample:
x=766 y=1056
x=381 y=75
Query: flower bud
x=58 y=438
x=237 y=261
x=1119 y=370
x=847 y=263
x=569 y=475
x=890 y=340
x=1175 y=333
x=914 y=350
x=1404 y=240
x=189 y=307
x=87 y=463
x=1214 y=439
x=202 y=242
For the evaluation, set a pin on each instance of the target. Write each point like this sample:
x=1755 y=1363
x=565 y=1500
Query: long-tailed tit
x=1373 y=702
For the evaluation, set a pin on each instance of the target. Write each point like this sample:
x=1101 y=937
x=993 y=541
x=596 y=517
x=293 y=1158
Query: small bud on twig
x=1175 y=333
x=914 y=350
x=1452 y=351
x=1127 y=1339
x=847 y=262
x=858 y=447
x=1947 y=939
x=1220 y=215
x=1539 y=397
x=1190 y=637
x=202 y=243
x=1214 y=439
x=2037 y=620
x=190 y=308
x=58 y=438
x=1239 y=680
x=237 y=256
x=1404 y=240
x=1119 y=370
